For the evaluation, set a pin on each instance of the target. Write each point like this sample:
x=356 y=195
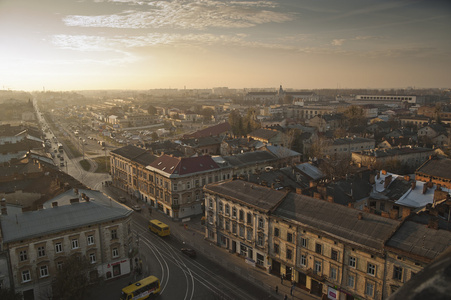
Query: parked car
x=136 y=208
x=190 y=252
x=122 y=199
x=62 y=164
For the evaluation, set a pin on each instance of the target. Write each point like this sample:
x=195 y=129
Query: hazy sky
x=132 y=44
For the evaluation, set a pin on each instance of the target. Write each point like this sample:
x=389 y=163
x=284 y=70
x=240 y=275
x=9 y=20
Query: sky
x=301 y=44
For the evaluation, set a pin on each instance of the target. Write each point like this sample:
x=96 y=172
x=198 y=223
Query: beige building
x=410 y=156
x=237 y=218
x=38 y=242
x=174 y=185
x=333 y=253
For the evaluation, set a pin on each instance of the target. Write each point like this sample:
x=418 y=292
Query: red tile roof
x=184 y=165
x=211 y=131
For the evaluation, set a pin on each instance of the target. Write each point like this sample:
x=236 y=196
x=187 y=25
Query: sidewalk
x=194 y=236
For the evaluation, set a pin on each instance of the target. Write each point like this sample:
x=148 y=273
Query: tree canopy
x=72 y=281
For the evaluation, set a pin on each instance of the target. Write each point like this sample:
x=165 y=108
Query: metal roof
x=262 y=198
x=371 y=231
x=32 y=224
x=418 y=239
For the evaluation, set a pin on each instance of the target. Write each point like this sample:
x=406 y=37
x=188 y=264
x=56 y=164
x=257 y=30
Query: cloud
x=186 y=15
x=338 y=42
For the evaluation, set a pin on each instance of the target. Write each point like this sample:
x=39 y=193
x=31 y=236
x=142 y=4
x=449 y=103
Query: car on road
x=136 y=208
x=190 y=252
x=62 y=164
x=122 y=199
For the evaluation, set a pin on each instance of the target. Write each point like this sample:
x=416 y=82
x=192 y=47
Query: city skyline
x=131 y=44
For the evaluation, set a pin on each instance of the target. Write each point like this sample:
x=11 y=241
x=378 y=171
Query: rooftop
x=369 y=231
x=32 y=224
x=262 y=198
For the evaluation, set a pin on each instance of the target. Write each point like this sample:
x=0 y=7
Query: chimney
x=407 y=178
x=54 y=204
x=312 y=183
x=425 y=188
x=433 y=223
x=384 y=172
x=439 y=187
x=40 y=207
x=350 y=204
x=387 y=181
x=74 y=200
x=414 y=184
x=393 y=214
x=405 y=212
x=330 y=198
x=76 y=191
x=4 y=211
x=298 y=191
x=360 y=216
x=385 y=214
x=378 y=175
x=430 y=184
x=316 y=195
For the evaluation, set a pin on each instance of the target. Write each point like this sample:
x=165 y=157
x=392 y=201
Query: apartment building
x=38 y=242
x=410 y=156
x=174 y=185
x=328 y=248
x=237 y=215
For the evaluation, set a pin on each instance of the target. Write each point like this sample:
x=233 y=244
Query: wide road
x=182 y=277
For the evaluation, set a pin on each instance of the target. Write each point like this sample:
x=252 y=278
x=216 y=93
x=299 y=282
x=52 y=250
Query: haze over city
x=120 y=44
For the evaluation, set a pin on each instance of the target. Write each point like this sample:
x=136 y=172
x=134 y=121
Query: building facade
x=38 y=242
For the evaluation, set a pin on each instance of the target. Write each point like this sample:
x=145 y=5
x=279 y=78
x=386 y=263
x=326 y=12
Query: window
x=242 y=231
x=220 y=207
x=318 y=248
x=74 y=243
x=113 y=234
x=276 y=232
x=260 y=240
x=289 y=237
x=351 y=280
x=352 y=261
x=333 y=273
x=303 y=260
x=249 y=218
x=289 y=254
x=304 y=242
x=41 y=251
x=397 y=273
x=59 y=265
x=317 y=267
x=369 y=289
x=115 y=252
x=249 y=234
x=334 y=254
x=210 y=203
x=58 y=247
x=26 y=276
x=227 y=209
x=261 y=223
x=241 y=215
x=234 y=227
x=188 y=185
x=233 y=212
x=371 y=269
x=92 y=258
x=90 y=240
x=43 y=271
x=227 y=225
x=276 y=248
x=23 y=256
x=174 y=186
